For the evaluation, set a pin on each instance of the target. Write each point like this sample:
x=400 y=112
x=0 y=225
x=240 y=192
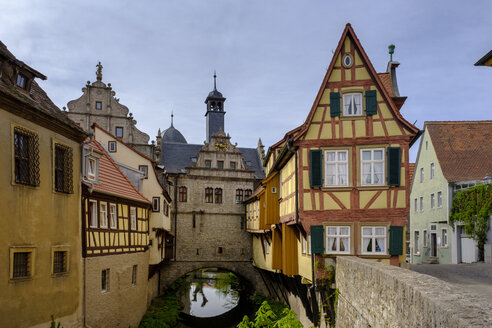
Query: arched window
x=239 y=195
x=183 y=194
x=209 y=195
x=218 y=195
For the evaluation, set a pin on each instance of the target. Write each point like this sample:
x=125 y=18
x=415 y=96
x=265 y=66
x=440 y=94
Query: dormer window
x=91 y=168
x=99 y=105
x=21 y=81
x=352 y=104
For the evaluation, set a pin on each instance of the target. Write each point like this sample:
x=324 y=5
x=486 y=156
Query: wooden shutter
x=371 y=102
x=394 y=166
x=334 y=104
x=316 y=167
x=317 y=244
x=396 y=240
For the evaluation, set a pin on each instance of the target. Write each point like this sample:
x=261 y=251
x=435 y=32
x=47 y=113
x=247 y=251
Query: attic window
x=347 y=61
x=21 y=81
x=99 y=105
x=352 y=104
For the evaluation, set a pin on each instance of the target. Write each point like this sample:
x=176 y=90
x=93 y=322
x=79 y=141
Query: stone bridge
x=251 y=276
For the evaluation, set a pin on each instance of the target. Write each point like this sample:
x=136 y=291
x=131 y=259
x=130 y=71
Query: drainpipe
x=175 y=214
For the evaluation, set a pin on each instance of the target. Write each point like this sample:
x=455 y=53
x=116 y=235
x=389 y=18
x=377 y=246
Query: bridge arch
x=171 y=271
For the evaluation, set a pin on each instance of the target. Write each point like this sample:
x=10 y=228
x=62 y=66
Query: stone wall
x=373 y=294
x=123 y=304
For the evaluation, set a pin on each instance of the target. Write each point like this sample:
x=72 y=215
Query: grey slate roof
x=177 y=156
x=173 y=135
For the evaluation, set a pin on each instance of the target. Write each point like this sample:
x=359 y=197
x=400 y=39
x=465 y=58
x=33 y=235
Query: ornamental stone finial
x=99 y=74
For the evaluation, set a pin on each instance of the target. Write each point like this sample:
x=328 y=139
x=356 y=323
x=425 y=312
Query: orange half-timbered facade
x=344 y=173
x=115 y=242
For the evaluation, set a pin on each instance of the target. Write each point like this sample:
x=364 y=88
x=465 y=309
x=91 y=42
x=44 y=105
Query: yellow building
x=40 y=243
x=115 y=242
x=143 y=173
x=343 y=174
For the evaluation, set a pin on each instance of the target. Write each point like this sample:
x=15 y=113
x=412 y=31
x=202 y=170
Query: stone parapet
x=373 y=294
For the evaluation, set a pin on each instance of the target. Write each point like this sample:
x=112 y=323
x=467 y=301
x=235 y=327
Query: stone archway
x=171 y=271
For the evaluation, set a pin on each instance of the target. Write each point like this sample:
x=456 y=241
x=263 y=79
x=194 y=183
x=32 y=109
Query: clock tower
x=215 y=111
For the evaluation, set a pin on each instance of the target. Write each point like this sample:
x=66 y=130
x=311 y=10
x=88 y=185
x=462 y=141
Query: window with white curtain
x=372 y=162
x=337 y=240
x=336 y=168
x=352 y=104
x=373 y=240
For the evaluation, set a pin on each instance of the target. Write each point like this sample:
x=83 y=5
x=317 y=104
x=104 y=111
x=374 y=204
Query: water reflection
x=211 y=293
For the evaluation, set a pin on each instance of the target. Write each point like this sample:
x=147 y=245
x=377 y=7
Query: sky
x=270 y=56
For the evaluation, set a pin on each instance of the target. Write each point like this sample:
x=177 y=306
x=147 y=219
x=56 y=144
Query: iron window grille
x=63 y=169
x=21 y=265
x=26 y=157
x=59 y=262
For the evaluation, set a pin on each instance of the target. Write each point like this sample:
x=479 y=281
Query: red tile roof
x=463 y=148
x=111 y=180
x=386 y=81
x=411 y=167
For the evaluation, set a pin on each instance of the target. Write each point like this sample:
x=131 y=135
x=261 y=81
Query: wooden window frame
x=373 y=162
x=373 y=237
x=182 y=194
x=156 y=203
x=336 y=162
x=113 y=220
x=112 y=146
x=133 y=218
x=345 y=107
x=337 y=237
x=93 y=212
x=103 y=215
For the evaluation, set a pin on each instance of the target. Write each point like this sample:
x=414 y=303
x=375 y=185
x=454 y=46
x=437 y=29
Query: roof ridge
x=101 y=148
x=457 y=122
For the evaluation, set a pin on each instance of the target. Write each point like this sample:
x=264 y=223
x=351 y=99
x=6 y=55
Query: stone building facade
x=98 y=104
x=209 y=183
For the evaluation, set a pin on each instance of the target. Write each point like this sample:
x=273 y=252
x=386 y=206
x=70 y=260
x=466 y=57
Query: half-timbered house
x=115 y=242
x=344 y=174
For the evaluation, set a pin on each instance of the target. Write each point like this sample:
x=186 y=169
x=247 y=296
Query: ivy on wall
x=472 y=209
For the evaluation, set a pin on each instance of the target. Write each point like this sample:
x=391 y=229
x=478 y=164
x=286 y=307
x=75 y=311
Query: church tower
x=215 y=111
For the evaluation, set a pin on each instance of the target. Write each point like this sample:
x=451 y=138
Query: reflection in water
x=211 y=293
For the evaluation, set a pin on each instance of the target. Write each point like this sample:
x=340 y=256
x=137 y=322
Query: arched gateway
x=208 y=184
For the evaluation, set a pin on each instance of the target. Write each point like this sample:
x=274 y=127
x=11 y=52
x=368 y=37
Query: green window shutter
x=317 y=244
x=396 y=240
x=394 y=166
x=334 y=104
x=316 y=167
x=371 y=102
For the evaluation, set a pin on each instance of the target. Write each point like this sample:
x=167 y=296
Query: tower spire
x=215 y=81
x=172 y=115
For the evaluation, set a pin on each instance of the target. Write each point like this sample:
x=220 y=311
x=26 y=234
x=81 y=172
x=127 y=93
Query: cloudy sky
x=270 y=56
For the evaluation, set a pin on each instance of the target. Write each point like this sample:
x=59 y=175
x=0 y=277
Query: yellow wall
x=39 y=218
x=288 y=190
x=271 y=200
x=150 y=187
x=262 y=259
x=289 y=251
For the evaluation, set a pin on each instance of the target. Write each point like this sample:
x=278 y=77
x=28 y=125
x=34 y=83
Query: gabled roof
x=463 y=148
x=349 y=32
x=111 y=180
x=485 y=60
x=164 y=191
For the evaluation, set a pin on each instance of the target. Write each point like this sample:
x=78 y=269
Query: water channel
x=214 y=298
